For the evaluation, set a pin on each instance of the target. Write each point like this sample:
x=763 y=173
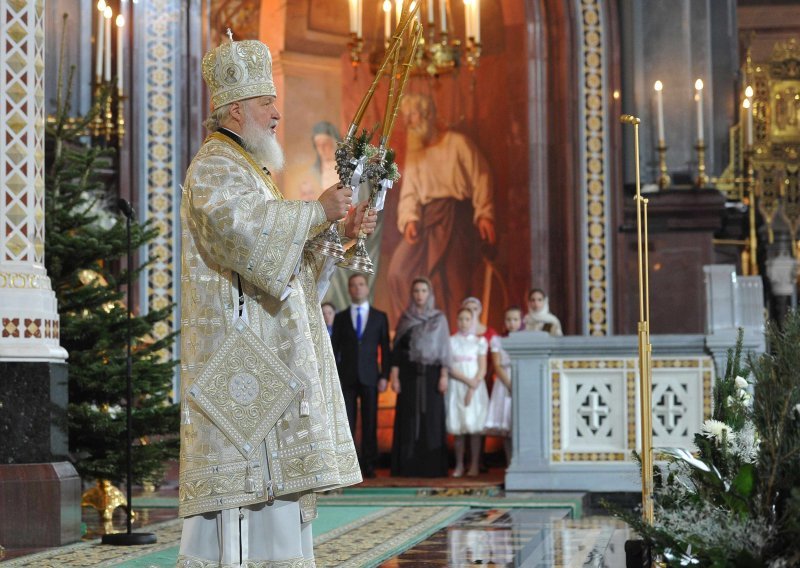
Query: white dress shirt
x=364 y=315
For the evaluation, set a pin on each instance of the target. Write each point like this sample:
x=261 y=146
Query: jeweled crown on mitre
x=238 y=70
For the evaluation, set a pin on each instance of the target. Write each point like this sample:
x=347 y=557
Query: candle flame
x=746 y=103
x=658 y=86
x=748 y=92
x=107 y=13
x=387 y=5
x=120 y=21
x=698 y=84
x=101 y=5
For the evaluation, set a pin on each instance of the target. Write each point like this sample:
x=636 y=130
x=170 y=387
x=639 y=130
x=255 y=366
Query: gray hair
x=421 y=102
x=217 y=118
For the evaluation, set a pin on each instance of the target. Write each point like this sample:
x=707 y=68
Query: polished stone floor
x=520 y=537
x=511 y=532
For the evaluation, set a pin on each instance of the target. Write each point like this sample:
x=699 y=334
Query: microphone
x=125 y=207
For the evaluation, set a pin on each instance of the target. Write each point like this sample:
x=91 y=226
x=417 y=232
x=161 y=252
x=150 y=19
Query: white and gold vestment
x=238 y=231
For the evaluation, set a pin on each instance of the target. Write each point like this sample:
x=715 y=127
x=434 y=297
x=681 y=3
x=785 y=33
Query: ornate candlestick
x=356 y=44
x=120 y=116
x=750 y=188
x=664 y=181
x=97 y=122
x=108 y=126
x=702 y=179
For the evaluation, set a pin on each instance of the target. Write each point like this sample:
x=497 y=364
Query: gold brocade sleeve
x=242 y=227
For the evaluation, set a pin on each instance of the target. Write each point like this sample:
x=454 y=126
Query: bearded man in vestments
x=263 y=423
x=445 y=199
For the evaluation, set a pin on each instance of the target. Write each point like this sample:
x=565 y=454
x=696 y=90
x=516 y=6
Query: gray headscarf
x=430 y=334
x=323 y=127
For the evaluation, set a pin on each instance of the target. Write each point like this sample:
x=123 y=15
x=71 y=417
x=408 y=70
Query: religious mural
x=460 y=212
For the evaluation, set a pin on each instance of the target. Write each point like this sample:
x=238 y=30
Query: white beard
x=263 y=145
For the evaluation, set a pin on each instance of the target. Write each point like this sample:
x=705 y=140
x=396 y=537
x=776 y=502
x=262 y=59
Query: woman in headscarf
x=539 y=317
x=419 y=367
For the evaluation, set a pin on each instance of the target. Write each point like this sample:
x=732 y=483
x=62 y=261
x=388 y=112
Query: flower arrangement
x=736 y=501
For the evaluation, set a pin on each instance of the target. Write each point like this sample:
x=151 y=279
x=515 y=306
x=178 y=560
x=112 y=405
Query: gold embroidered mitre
x=238 y=70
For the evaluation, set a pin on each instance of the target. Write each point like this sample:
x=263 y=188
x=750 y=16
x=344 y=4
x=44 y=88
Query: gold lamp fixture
x=440 y=52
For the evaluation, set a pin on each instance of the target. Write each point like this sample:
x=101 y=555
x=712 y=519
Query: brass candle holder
x=701 y=180
x=120 y=116
x=472 y=53
x=355 y=45
x=108 y=126
x=664 y=181
x=97 y=126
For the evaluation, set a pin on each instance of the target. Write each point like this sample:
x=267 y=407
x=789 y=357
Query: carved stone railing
x=576 y=420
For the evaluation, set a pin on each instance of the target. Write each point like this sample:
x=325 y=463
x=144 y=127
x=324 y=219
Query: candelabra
x=702 y=178
x=435 y=57
x=355 y=45
x=120 y=115
x=664 y=181
x=473 y=53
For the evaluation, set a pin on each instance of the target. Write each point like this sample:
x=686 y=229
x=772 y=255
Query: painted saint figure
x=446 y=206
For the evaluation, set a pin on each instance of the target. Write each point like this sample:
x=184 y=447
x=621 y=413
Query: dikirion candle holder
x=351 y=155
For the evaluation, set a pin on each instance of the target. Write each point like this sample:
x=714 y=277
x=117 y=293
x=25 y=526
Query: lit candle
x=387 y=19
x=443 y=15
x=354 y=16
x=107 y=56
x=360 y=19
x=468 y=19
x=477 y=21
x=430 y=12
x=748 y=110
x=698 y=97
x=101 y=7
x=398 y=8
x=659 y=87
x=120 y=35
x=748 y=92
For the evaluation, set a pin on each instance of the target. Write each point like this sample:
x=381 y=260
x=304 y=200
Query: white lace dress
x=463 y=419
x=498 y=418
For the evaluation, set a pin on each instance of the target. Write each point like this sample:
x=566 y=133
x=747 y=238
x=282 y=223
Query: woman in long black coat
x=419 y=363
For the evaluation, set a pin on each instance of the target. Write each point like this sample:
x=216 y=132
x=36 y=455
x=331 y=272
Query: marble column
x=29 y=325
x=33 y=372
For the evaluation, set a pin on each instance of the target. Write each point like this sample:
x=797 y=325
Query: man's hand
x=359 y=217
x=411 y=235
x=486 y=230
x=382 y=384
x=336 y=201
x=394 y=377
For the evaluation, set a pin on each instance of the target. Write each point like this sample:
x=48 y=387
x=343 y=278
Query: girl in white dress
x=467 y=398
x=498 y=419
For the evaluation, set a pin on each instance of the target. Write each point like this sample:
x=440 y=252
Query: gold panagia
x=235 y=222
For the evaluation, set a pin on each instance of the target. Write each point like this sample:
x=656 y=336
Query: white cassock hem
x=259 y=536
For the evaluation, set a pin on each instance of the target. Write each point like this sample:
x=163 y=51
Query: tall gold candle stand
x=702 y=179
x=645 y=348
x=750 y=188
x=664 y=181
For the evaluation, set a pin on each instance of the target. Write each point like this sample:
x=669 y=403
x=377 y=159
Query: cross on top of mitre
x=230 y=35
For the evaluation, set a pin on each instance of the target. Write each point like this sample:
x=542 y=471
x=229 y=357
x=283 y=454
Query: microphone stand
x=129 y=538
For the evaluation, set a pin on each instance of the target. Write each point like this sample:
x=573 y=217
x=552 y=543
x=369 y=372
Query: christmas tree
x=85 y=245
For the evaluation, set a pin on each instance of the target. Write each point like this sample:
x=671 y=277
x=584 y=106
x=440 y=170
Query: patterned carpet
x=366 y=541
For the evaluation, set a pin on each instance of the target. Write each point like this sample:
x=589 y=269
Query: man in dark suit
x=359 y=331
